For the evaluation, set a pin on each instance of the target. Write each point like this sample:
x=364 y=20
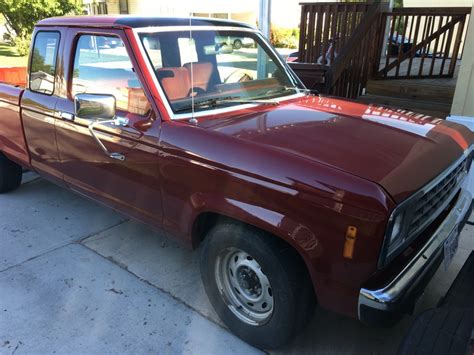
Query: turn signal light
x=351 y=234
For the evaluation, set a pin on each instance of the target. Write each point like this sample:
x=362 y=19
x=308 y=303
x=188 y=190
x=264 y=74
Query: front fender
x=298 y=235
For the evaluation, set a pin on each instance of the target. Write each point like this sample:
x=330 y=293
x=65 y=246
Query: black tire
x=237 y=44
x=292 y=292
x=10 y=174
x=443 y=331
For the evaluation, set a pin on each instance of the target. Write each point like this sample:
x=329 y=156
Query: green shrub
x=22 y=15
x=22 y=44
x=284 y=37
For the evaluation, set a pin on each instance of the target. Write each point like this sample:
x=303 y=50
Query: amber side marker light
x=351 y=234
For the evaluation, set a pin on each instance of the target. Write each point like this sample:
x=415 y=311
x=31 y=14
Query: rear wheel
x=258 y=285
x=10 y=174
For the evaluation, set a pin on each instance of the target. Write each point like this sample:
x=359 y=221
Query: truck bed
x=12 y=139
x=14 y=76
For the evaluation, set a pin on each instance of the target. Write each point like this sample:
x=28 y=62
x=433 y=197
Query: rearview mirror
x=94 y=106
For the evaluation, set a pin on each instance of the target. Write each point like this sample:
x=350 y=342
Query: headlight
x=396 y=232
x=395 y=236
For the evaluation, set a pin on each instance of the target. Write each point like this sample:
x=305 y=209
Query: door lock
x=66 y=116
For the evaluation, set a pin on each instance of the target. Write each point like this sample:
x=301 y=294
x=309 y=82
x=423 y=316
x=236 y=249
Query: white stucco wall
x=463 y=102
x=437 y=3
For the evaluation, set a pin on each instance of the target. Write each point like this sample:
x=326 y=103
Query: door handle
x=119 y=121
x=66 y=116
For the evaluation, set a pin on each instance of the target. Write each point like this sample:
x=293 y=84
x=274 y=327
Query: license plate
x=450 y=247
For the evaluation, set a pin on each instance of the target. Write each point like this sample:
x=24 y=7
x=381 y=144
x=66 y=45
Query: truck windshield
x=213 y=65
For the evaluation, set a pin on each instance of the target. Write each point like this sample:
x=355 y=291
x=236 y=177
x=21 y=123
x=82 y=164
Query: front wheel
x=10 y=174
x=257 y=284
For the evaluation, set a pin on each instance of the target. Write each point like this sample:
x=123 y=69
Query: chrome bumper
x=393 y=296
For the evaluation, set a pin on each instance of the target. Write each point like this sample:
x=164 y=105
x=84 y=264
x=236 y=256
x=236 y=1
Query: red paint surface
x=303 y=170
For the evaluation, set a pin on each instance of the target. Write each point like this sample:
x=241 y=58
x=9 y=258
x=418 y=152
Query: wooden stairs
x=429 y=97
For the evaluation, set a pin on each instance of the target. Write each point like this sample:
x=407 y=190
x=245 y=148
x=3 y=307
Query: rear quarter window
x=43 y=62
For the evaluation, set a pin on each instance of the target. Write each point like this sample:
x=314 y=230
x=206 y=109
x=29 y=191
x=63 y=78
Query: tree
x=22 y=15
x=398 y=3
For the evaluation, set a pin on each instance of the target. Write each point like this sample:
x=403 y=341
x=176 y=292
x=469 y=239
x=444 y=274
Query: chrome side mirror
x=100 y=109
x=94 y=106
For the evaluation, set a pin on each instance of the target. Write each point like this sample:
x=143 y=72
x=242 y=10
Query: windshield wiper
x=216 y=101
x=284 y=89
x=298 y=89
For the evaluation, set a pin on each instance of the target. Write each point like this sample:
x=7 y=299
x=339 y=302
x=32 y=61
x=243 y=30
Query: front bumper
x=386 y=305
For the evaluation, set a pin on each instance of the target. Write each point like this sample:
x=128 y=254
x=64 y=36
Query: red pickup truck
x=294 y=198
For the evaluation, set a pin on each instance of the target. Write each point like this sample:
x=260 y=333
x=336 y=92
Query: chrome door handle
x=116 y=122
x=67 y=116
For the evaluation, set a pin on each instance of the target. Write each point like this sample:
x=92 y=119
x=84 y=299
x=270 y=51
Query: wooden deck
x=430 y=96
x=340 y=42
x=426 y=64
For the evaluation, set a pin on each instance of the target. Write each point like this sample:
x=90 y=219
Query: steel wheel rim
x=244 y=286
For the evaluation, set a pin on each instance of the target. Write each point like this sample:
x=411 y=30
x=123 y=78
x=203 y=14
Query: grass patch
x=10 y=58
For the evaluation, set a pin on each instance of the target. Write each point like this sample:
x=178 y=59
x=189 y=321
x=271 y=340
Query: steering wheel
x=238 y=76
x=196 y=91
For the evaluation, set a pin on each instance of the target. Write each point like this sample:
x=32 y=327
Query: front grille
x=430 y=205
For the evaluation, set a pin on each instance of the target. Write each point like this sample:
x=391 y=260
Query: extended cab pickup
x=293 y=197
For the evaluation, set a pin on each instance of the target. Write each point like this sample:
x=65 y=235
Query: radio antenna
x=193 y=120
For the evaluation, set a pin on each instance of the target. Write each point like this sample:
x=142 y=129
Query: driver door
x=130 y=184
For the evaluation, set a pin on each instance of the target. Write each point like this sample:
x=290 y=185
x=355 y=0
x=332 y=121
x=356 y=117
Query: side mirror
x=94 y=106
x=226 y=49
x=99 y=109
x=218 y=49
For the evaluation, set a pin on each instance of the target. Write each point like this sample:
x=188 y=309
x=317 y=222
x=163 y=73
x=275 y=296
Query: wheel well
x=207 y=220
x=203 y=224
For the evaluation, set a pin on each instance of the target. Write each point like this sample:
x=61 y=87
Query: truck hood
x=399 y=150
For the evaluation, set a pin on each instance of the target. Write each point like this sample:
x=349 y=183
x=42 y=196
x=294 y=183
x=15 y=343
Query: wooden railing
x=342 y=45
x=337 y=48
x=421 y=42
x=325 y=28
x=348 y=74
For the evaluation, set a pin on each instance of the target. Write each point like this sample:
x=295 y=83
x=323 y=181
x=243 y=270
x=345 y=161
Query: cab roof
x=127 y=21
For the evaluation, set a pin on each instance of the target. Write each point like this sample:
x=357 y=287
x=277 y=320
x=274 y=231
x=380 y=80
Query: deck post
x=387 y=31
x=264 y=17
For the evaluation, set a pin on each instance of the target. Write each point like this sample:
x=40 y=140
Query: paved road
x=78 y=277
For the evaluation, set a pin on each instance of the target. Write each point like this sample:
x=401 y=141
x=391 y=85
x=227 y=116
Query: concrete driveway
x=76 y=277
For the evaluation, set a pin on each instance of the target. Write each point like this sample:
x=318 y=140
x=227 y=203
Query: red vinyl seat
x=201 y=74
x=175 y=82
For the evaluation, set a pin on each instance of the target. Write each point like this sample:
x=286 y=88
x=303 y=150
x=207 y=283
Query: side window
x=43 y=62
x=102 y=66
